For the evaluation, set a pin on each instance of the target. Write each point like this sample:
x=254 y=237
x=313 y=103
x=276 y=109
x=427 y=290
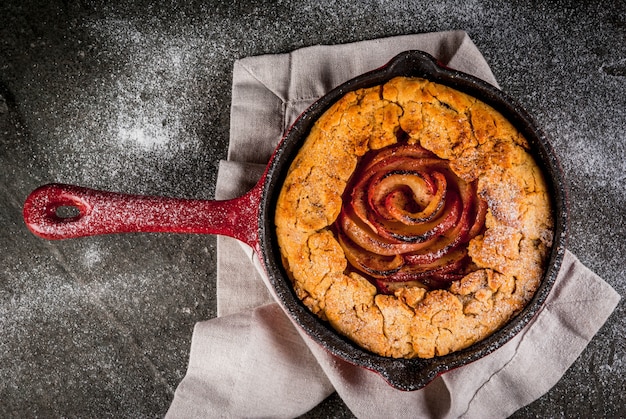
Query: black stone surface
x=134 y=97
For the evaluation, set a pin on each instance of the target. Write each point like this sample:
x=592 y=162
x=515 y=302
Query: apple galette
x=414 y=219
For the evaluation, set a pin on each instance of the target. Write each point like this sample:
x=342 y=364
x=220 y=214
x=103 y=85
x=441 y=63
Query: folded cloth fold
x=251 y=361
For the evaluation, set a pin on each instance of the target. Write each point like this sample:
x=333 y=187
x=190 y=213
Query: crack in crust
x=480 y=144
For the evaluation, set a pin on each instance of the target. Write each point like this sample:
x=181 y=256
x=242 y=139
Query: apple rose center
x=406 y=219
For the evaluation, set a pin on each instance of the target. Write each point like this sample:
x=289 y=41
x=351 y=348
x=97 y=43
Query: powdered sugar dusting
x=93 y=254
x=146 y=117
x=138 y=119
x=603 y=167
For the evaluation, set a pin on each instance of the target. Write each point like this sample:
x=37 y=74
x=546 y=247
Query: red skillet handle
x=91 y=212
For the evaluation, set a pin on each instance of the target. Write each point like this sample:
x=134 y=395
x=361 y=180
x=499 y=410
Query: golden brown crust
x=481 y=145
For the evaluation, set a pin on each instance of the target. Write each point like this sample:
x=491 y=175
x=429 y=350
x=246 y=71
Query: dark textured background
x=134 y=97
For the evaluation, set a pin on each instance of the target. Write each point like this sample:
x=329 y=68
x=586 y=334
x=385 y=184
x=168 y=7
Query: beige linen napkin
x=251 y=361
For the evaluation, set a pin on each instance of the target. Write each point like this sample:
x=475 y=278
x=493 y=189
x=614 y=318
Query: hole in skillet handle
x=410 y=374
x=67 y=212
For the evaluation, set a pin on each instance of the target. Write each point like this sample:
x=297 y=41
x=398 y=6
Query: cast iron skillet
x=250 y=218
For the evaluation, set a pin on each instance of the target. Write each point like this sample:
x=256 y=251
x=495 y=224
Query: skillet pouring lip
x=416 y=373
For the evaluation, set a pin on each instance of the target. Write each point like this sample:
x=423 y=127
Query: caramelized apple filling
x=407 y=218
